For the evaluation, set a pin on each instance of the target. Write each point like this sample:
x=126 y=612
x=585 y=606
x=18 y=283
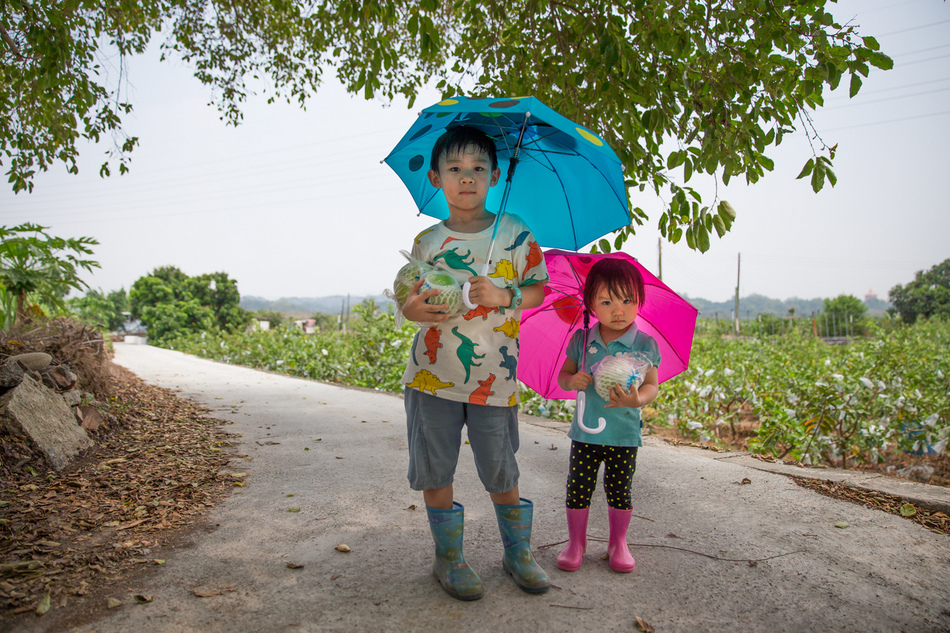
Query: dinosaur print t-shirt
x=473 y=356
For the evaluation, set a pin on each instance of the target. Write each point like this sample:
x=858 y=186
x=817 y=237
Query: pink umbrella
x=547 y=329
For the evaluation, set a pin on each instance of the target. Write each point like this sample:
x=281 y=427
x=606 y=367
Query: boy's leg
x=493 y=434
x=435 y=435
x=434 y=428
x=440 y=498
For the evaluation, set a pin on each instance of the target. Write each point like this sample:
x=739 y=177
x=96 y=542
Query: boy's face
x=465 y=178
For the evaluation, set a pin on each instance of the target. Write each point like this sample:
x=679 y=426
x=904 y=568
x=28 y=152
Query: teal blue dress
x=624 y=425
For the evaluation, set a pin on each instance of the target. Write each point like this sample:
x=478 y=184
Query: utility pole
x=736 y=313
x=659 y=257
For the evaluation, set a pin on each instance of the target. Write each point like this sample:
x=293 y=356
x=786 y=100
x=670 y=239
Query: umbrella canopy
x=547 y=329
x=569 y=185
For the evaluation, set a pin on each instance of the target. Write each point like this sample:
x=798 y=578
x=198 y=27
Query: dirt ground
x=66 y=537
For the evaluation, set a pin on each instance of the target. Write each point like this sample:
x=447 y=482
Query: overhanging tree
x=681 y=88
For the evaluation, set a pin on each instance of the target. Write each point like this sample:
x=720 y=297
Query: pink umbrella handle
x=581 y=403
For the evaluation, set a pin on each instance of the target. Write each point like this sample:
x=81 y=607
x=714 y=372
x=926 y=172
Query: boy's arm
x=532 y=295
x=484 y=292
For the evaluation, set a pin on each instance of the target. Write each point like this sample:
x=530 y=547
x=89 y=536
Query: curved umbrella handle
x=467 y=286
x=601 y=422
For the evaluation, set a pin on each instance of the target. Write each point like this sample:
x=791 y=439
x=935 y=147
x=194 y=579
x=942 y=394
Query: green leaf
x=908 y=510
x=702 y=239
x=720 y=225
x=43 y=605
x=727 y=212
x=855 y=85
x=604 y=246
x=807 y=169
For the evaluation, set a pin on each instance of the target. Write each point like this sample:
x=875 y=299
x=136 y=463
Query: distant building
x=870 y=297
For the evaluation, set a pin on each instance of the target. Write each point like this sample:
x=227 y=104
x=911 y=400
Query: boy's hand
x=484 y=293
x=416 y=309
x=580 y=381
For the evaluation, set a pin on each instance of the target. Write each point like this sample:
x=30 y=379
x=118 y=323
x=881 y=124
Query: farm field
x=879 y=401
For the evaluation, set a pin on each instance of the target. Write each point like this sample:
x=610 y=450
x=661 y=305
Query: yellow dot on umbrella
x=447 y=102
x=593 y=138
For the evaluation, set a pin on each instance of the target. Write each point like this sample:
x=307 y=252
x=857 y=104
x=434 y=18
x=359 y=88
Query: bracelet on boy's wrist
x=516 y=297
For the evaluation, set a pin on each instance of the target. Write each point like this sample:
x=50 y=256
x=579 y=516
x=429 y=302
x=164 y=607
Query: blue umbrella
x=569 y=187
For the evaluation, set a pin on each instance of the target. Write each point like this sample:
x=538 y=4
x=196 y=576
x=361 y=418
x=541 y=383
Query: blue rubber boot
x=450 y=568
x=514 y=523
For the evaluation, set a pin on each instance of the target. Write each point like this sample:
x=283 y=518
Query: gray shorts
x=435 y=436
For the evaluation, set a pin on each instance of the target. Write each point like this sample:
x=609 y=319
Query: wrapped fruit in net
x=407 y=277
x=625 y=369
x=450 y=292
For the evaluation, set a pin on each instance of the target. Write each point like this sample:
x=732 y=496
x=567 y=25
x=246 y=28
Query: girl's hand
x=620 y=398
x=580 y=381
x=416 y=309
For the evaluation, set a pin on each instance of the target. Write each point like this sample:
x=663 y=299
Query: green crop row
x=794 y=396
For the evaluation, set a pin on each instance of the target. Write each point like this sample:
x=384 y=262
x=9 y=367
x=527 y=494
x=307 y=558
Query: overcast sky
x=297 y=203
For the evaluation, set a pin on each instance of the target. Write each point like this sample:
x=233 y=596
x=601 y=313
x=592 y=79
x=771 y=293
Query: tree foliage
x=681 y=88
x=102 y=309
x=927 y=296
x=171 y=304
x=38 y=269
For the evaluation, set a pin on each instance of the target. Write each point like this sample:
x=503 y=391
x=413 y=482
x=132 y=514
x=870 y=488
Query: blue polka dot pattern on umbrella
x=416 y=162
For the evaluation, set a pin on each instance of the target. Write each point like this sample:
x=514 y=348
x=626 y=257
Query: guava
x=450 y=292
x=626 y=369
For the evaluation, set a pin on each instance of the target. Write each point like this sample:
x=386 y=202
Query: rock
x=73 y=397
x=32 y=411
x=60 y=378
x=89 y=417
x=37 y=361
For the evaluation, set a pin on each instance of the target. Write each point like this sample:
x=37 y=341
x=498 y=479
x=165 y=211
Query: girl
x=613 y=292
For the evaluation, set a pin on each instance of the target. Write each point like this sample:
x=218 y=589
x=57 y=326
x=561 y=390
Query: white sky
x=297 y=203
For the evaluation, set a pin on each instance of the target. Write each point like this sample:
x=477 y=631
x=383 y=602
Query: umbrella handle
x=467 y=287
x=601 y=422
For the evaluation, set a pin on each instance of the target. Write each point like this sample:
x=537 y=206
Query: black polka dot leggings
x=620 y=462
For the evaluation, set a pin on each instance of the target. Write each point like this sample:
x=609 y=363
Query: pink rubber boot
x=620 y=558
x=573 y=555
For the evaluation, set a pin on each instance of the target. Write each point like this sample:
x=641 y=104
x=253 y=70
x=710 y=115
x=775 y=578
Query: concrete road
x=712 y=553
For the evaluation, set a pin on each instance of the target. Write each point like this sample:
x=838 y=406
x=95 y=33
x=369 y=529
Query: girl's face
x=615 y=313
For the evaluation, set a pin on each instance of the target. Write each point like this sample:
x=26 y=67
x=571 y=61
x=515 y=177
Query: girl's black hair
x=457 y=138
x=620 y=278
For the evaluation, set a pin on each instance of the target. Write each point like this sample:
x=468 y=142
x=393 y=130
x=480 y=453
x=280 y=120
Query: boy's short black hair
x=456 y=139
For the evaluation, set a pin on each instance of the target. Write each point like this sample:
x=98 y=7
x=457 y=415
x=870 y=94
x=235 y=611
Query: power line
x=913 y=28
x=872 y=123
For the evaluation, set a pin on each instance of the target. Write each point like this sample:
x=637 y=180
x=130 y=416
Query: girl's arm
x=637 y=397
x=569 y=379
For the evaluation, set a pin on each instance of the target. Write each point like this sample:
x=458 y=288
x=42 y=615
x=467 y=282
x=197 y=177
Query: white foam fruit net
x=626 y=369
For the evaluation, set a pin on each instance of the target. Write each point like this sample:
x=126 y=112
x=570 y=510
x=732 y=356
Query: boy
x=461 y=367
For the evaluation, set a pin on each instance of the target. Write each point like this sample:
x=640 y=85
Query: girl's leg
x=620 y=464
x=583 y=465
x=580 y=487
